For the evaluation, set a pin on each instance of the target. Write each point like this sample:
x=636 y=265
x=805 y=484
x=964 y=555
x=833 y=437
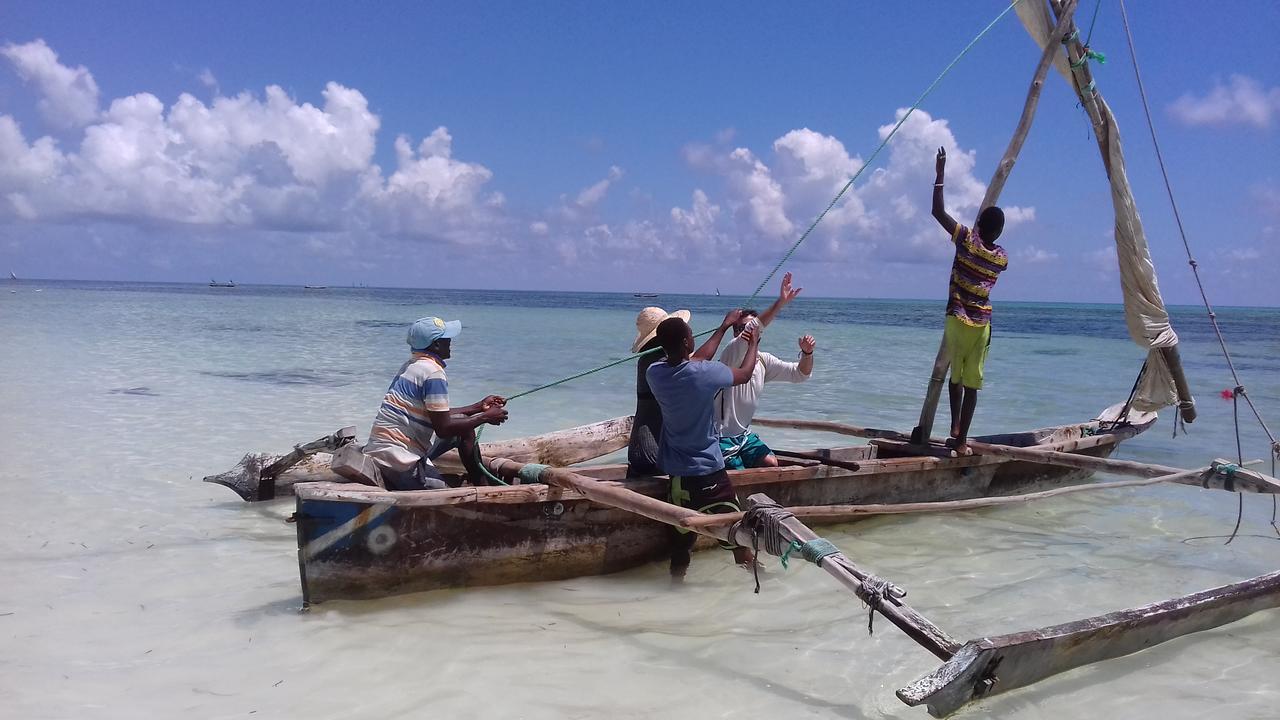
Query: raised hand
x=807 y=344
x=785 y=293
x=731 y=318
x=942 y=161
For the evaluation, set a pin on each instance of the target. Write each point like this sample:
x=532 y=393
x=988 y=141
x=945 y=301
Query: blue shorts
x=743 y=451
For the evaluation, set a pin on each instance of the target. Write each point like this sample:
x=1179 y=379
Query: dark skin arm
x=709 y=348
x=448 y=423
x=947 y=222
x=479 y=407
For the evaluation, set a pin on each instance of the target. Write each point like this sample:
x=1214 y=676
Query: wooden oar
x=820 y=459
x=1229 y=478
x=838 y=566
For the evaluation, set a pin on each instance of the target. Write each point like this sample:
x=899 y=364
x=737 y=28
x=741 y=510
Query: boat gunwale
x=538 y=492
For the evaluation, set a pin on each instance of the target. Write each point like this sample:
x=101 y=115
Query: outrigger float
x=360 y=541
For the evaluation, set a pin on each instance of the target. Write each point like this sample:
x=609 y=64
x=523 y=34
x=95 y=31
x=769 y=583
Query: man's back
x=402 y=431
x=689 y=444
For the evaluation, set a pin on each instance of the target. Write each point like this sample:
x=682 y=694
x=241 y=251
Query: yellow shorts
x=967 y=347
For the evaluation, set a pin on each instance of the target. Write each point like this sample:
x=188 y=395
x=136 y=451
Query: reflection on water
x=132 y=589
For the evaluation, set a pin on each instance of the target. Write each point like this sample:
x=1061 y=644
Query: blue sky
x=608 y=146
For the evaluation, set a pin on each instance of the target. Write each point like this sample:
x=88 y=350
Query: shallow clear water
x=131 y=589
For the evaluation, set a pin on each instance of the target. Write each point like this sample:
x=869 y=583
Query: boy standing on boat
x=415 y=424
x=685 y=386
x=736 y=406
x=977 y=265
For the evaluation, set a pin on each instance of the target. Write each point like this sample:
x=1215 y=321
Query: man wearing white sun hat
x=415 y=423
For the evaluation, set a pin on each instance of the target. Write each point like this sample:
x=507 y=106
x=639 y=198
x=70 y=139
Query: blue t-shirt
x=689 y=444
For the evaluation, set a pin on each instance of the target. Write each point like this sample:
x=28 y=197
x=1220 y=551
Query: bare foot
x=959 y=446
x=678 y=573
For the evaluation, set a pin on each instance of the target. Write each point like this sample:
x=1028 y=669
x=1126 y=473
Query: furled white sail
x=1145 y=314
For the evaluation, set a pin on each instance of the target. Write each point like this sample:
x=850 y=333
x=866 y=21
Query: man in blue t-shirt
x=685 y=385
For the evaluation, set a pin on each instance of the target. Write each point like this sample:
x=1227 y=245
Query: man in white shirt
x=736 y=406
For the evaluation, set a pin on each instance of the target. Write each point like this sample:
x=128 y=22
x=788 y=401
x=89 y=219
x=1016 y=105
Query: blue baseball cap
x=430 y=329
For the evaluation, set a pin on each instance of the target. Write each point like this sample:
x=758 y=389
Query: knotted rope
x=765 y=520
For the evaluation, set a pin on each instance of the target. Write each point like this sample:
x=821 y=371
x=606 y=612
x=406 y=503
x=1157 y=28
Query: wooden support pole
x=1239 y=480
x=929 y=409
x=838 y=566
x=830 y=514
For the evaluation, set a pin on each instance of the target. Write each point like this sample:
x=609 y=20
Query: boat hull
x=359 y=543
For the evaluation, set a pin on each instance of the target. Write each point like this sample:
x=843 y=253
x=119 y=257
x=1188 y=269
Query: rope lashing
x=765 y=521
x=875 y=590
x=1089 y=54
x=531 y=473
x=814 y=551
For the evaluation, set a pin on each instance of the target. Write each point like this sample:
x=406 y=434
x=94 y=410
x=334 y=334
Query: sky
x=638 y=147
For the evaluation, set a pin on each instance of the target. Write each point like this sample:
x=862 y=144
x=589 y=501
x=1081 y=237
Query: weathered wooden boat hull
x=560 y=448
x=993 y=665
x=355 y=542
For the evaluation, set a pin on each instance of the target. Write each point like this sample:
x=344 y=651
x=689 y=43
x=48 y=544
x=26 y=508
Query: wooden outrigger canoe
x=311 y=460
x=355 y=541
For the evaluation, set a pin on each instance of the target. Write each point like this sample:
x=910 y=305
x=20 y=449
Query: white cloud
x=1033 y=255
x=1103 y=260
x=1240 y=101
x=590 y=196
x=68 y=96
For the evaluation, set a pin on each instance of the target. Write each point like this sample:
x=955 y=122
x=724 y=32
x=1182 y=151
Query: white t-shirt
x=736 y=406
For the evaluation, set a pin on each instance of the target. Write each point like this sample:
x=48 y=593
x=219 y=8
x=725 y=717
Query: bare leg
x=681 y=544
x=467 y=453
x=970 y=403
x=955 y=392
x=769 y=460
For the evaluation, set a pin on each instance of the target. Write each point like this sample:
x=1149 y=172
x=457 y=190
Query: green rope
x=815 y=550
x=804 y=236
x=915 y=106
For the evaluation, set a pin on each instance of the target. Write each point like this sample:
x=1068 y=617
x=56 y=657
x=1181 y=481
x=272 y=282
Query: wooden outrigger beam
x=861 y=582
x=978 y=668
x=1001 y=663
x=1221 y=475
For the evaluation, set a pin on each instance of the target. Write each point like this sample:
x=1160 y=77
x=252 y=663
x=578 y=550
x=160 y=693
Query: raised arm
x=742 y=373
x=785 y=296
x=709 y=348
x=947 y=222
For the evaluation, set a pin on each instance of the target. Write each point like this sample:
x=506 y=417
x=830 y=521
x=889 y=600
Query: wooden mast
x=941 y=362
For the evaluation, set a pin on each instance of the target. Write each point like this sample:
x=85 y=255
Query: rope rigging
x=805 y=235
x=1239 y=391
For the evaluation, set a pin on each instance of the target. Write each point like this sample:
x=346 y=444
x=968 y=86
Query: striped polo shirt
x=973 y=274
x=402 y=433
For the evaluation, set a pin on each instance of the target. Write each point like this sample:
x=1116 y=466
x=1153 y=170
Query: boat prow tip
x=243 y=479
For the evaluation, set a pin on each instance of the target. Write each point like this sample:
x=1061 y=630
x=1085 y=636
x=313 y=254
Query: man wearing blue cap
x=415 y=424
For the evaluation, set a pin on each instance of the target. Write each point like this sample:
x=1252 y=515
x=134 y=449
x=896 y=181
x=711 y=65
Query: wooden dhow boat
x=357 y=541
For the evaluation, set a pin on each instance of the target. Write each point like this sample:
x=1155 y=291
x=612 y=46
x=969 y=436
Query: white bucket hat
x=647 y=324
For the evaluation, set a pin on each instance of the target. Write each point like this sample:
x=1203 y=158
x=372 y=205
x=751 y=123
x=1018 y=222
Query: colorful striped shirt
x=402 y=434
x=973 y=274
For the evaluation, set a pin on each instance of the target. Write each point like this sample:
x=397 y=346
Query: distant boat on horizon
x=717 y=292
x=227 y=284
x=315 y=287
x=645 y=295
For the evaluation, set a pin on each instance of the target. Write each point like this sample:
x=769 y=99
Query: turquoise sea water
x=133 y=590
